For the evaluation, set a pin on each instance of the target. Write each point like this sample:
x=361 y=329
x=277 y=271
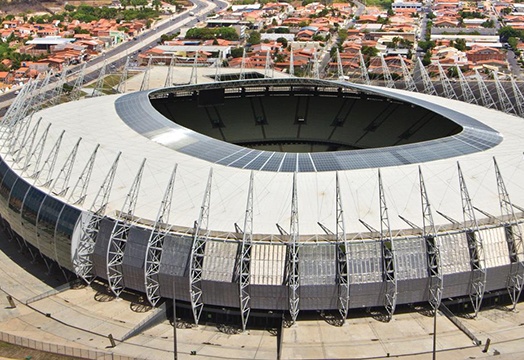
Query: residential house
x=480 y=53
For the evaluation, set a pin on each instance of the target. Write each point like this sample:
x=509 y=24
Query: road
x=116 y=56
x=326 y=56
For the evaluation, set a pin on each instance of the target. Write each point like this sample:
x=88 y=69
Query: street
x=116 y=57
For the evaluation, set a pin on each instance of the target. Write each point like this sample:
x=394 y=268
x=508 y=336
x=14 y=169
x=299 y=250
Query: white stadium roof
x=96 y=121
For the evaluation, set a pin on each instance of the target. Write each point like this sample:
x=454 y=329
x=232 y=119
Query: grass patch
x=110 y=82
x=384 y=4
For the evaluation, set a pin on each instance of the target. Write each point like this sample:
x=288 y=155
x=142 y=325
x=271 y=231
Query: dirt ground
x=9 y=351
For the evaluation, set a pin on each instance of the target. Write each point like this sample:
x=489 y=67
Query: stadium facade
x=265 y=195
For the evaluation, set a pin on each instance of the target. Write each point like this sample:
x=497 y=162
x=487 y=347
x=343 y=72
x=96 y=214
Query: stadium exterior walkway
x=79 y=320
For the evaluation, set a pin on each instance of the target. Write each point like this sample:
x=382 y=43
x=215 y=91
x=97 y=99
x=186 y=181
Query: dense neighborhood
x=290 y=37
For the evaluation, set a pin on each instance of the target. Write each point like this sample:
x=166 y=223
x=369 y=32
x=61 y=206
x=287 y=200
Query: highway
x=116 y=57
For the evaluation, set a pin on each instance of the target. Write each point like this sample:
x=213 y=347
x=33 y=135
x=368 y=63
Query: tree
x=237 y=52
x=506 y=11
x=254 y=38
x=426 y=45
x=342 y=35
x=283 y=41
x=460 y=44
x=513 y=42
x=490 y=24
x=369 y=51
x=426 y=60
x=506 y=32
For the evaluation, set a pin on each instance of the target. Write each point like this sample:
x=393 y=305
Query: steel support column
x=363 y=69
x=196 y=260
x=119 y=234
x=82 y=258
x=432 y=247
x=513 y=239
x=342 y=257
x=449 y=91
x=61 y=183
x=155 y=244
x=504 y=101
x=429 y=88
x=485 y=95
x=293 y=253
x=408 y=79
x=49 y=164
x=388 y=80
x=245 y=257
x=476 y=251
x=388 y=254
x=79 y=192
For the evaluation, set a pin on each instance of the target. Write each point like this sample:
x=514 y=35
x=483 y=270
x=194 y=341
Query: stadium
x=271 y=197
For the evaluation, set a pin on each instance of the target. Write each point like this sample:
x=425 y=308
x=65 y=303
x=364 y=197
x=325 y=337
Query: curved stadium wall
x=308 y=143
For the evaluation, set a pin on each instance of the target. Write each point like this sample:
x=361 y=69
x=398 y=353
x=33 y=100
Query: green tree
x=283 y=41
x=342 y=35
x=506 y=32
x=426 y=45
x=254 y=38
x=513 y=42
x=460 y=44
x=237 y=52
x=369 y=51
x=426 y=60
x=490 y=24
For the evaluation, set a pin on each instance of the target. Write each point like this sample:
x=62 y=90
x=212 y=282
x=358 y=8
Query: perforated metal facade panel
x=365 y=262
x=268 y=264
x=317 y=264
x=219 y=261
x=411 y=258
x=174 y=266
x=102 y=241
x=454 y=253
x=495 y=247
x=134 y=258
